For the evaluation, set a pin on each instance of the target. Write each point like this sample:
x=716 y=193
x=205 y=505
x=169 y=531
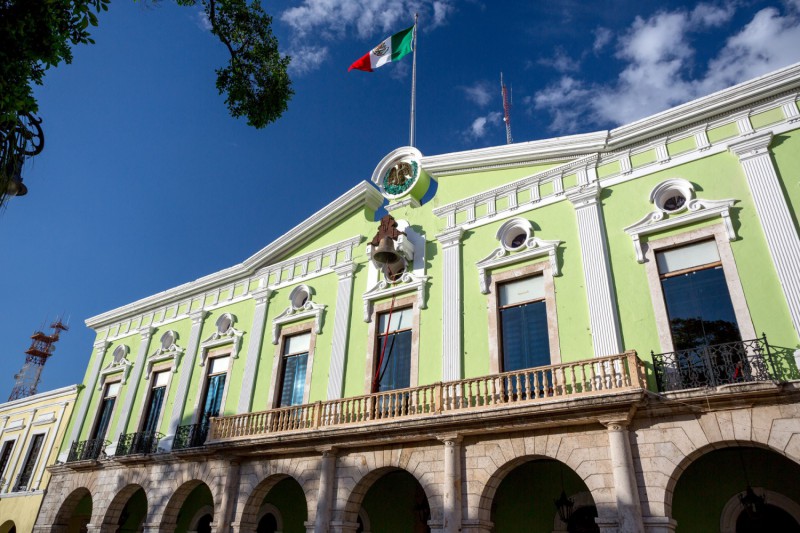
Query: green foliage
x=34 y=36
x=255 y=80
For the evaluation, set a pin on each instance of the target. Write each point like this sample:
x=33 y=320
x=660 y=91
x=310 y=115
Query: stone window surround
x=273 y=398
x=106 y=383
x=372 y=338
x=208 y=355
x=545 y=269
x=720 y=235
x=168 y=367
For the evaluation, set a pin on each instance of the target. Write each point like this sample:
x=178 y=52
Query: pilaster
x=775 y=217
x=261 y=297
x=86 y=396
x=187 y=365
x=450 y=241
x=341 y=326
x=603 y=316
x=133 y=382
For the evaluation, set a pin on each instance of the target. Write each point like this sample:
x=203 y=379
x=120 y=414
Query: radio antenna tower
x=508 y=99
x=42 y=347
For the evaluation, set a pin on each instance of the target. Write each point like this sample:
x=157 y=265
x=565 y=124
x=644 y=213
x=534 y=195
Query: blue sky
x=146 y=182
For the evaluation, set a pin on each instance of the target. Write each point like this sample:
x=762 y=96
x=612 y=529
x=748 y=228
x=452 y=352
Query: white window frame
x=718 y=233
x=93 y=427
x=34 y=478
x=544 y=269
x=273 y=398
x=224 y=351
x=411 y=302
x=170 y=370
x=11 y=463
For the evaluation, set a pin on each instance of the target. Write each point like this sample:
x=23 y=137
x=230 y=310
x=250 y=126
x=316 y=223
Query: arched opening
x=707 y=494
x=191 y=509
x=76 y=511
x=396 y=502
x=525 y=500
x=283 y=508
x=128 y=510
x=8 y=527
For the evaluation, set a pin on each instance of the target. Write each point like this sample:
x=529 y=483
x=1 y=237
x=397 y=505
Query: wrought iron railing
x=190 y=436
x=602 y=375
x=140 y=442
x=86 y=450
x=711 y=366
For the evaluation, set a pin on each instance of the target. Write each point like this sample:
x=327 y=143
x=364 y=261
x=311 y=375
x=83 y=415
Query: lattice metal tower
x=42 y=347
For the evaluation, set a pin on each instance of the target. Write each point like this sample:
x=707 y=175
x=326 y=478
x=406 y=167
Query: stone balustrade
x=601 y=375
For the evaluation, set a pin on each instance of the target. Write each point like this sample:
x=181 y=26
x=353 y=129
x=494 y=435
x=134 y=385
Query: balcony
x=86 y=450
x=138 y=443
x=711 y=366
x=592 y=377
x=190 y=436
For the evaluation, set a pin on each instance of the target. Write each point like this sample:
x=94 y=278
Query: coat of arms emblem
x=380 y=50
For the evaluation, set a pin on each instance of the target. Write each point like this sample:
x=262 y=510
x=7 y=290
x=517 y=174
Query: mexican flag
x=392 y=49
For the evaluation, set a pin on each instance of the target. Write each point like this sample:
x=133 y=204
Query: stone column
x=450 y=241
x=151 y=528
x=603 y=317
x=79 y=416
x=133 y=383
x=187 y=365
x=629 y=508
x=341 y=326
x=775 y=216
x=261 y=297
x=452 y=484
x=327 y=475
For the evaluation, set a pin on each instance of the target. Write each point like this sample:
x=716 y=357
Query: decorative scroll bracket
x=408 y=282
x=309 y=310
x=534 y=247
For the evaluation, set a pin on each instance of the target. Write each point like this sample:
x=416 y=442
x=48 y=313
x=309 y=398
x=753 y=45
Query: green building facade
x=613 y=317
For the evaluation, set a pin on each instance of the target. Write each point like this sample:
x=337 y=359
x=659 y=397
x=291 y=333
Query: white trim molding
x=383 y=289
x=533 y=248
x=173 y=351
x=222 y=337
x=694 y=210
x=123 y=365
x=775 y=216
x=256 y=337
x=290 y=314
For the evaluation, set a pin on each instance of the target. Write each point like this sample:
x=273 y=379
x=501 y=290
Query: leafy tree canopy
x=38 y=34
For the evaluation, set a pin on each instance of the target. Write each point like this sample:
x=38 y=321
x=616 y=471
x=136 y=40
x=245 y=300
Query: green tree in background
x=38 y=34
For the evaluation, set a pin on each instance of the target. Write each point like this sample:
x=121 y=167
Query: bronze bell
x=385 y=253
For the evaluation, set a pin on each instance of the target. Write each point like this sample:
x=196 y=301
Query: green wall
x=288 y=496
x=391 y=501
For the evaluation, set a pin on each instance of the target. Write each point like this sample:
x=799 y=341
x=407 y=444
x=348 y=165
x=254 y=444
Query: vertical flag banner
x=391 y=49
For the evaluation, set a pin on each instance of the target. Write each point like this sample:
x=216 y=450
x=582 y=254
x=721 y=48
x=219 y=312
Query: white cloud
x=659 y=65
x=367 y=17
x=479 y=93
x=306 y=59
x=477 y=129
x=201 y=19
x=561 y=61
x=603 y=36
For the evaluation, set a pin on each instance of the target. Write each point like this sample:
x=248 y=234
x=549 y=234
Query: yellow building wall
x=46 y=413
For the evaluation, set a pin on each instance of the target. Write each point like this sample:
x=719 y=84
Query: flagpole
x=414 y=82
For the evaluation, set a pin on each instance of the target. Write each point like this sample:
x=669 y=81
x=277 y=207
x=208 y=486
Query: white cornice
x=362 y=195
x=42 y=396
x=559 y=147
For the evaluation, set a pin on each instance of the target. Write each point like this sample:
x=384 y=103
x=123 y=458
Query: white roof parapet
x=41 y=396
x=559 y=147
x=362 y=195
